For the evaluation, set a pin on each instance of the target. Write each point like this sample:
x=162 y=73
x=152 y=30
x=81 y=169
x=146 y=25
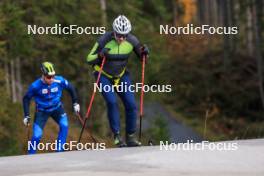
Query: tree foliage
x=221 y=74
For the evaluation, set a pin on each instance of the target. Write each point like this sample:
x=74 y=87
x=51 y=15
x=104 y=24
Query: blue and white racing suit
x=48 y=104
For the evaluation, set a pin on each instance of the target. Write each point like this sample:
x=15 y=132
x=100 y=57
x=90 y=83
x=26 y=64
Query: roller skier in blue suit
x=47 y=93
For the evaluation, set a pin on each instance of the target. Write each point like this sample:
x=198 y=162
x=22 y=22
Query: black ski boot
x=118 y=141
x=132 y=141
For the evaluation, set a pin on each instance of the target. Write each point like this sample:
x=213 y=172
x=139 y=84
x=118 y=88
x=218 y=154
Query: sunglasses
x=120 y=35
x=49 y=76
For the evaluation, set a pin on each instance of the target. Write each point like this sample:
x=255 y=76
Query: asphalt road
x=178 y=132
x=248 y=159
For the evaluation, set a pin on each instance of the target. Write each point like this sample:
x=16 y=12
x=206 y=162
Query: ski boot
x=132 y=141
x=118 y=141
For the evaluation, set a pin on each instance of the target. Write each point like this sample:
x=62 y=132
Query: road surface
x=178 y=132
x=145 y=161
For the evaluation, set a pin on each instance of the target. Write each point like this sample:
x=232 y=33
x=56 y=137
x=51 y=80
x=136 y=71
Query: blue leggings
x=128 y=100
x=60 y=117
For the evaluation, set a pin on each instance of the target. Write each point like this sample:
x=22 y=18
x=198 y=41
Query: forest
x=217 y=80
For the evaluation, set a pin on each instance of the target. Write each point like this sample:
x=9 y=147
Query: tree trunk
x=236 y=10
x=200 y=4
x=214 y=12
x=207 y=11
x=219 y=13
x=18 y=79
x=175 y=12
x=13 y=82
x=210 y=12
x=226 y=42
x=231 y=21
x=259 y=17
x=104 y=14
x=7 y=78
x=256 y=20
x=249 y=30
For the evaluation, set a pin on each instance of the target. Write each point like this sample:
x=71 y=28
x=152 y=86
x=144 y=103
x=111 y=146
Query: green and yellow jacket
x=117 y=57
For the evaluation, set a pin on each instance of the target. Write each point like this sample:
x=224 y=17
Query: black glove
x=144 y=52
x=103 y=52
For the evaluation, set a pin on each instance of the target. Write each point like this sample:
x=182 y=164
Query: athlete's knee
x=64 y=122
x=64 y=126
x=112 y=103
x=131 y=106
x=37 y=132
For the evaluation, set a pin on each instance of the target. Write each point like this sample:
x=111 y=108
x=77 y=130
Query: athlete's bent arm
x=26 y=100
x=92 y=57
x=70 y=88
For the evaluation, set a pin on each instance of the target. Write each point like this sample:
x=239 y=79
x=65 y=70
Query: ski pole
x=28 y=132
x=28 y=136
x=142 y=96
x=90 y=134
x=92 y=99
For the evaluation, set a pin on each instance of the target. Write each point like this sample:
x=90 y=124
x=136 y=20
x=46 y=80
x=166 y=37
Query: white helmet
x=122 y=25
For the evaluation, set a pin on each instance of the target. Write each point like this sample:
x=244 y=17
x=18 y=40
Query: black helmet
x=47 y=68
